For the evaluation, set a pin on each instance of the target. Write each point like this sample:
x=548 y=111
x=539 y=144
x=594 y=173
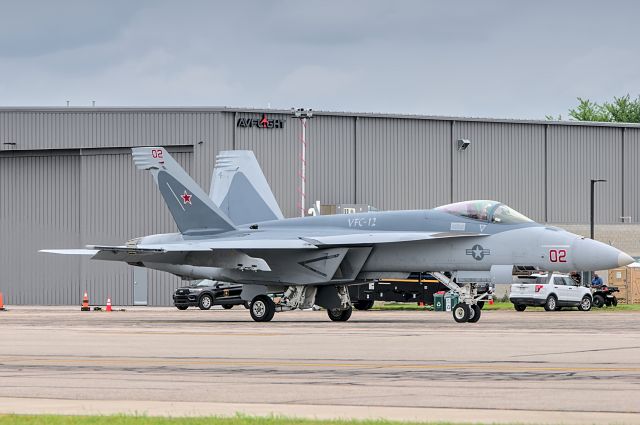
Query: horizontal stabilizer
x=70 y=251
x=363 y=238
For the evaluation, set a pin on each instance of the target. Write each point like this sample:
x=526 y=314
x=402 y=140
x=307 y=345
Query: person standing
x=596 y=281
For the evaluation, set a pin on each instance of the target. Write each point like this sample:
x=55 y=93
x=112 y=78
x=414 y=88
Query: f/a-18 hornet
x=239 y=234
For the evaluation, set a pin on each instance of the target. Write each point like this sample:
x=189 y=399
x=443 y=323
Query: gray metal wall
x=69 y=181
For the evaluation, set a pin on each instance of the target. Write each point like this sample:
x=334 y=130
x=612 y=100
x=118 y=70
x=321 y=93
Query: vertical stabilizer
x=240 y=189
x=191 y=208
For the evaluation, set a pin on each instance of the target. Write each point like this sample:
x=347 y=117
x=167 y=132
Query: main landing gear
x=338 y=315
x=263 y=307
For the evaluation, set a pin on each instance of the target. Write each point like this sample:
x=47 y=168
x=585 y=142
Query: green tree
x=589 y=111
x=622 y=109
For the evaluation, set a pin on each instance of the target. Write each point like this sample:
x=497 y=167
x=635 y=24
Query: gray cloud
x=491 y=58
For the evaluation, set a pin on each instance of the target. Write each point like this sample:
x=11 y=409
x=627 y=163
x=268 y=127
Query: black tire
x=477 y=311
x=182 y=307
x=614 y=301
x=585 y=304
x=363 y=304
x=205 y=302
x=227 y=306
x=598 y=301
x=247 y=305
x=461 y=312
x=480 y=304
x=520 y=307
x=551 y=304
x=338 y=315
x=262 y=308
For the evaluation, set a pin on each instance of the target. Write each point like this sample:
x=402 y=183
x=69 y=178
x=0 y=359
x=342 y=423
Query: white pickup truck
x=553 y=292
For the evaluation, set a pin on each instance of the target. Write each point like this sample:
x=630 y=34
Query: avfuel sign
x=263 y=122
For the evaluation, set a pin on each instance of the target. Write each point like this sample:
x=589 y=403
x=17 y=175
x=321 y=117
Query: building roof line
x=213 y=109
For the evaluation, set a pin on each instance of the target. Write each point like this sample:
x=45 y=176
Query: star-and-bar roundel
x=186 y=198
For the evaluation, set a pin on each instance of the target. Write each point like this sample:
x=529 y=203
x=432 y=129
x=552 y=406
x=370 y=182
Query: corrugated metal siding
x=278 y=152
x=576 y=155
x=39 y=209
x=216 y=135
x=209 y=137
x=505 y=162
x=56 y=130
x=115 y=210
x=632 y=174
x=330 y=160
x=402 y=164
x=69 y=202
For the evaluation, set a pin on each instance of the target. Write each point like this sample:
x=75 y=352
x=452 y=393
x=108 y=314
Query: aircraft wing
x=224 y=253
x=363 y=238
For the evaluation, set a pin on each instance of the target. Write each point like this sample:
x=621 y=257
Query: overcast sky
x=513 y=59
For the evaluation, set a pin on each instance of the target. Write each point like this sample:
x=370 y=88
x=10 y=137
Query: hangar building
x=67 y=179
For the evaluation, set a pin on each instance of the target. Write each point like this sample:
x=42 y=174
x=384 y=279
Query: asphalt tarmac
x=531 y=367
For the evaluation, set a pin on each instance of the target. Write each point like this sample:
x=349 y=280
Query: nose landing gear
x=467 y=310
x=463 y=313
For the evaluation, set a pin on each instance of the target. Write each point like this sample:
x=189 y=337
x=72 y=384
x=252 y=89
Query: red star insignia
x=186 y=198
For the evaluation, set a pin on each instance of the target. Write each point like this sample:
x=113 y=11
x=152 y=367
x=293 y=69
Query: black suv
x=206 y=293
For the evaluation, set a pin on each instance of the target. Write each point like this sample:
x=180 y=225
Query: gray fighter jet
x=287 y=264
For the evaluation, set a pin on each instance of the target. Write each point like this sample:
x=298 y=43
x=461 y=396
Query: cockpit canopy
x=489 y=211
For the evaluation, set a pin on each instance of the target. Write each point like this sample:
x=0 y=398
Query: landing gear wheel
x=227 y=306
x=338 y=315
x=205 y=302
x=614 y=301
x=585 y=304
x=262 y=308
x=598 y=301
x=480 y=304
x=461 y=312
x=182 y=307
x=363 y=304
x=551 y=304
x=520 y=307
x=476 y=310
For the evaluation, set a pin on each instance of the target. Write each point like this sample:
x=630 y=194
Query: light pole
x=303 y=114
x=593 y=184
x=587 y=276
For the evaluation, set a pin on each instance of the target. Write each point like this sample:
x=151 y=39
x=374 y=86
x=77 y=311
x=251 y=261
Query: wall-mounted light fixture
x=463 y=144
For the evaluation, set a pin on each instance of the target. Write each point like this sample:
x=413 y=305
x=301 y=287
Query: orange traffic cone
x=490 y=301
x=108 y=304
x=85 y=302
x=2 y=303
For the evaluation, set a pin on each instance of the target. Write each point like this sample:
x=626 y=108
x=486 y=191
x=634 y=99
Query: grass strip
x=210 y=420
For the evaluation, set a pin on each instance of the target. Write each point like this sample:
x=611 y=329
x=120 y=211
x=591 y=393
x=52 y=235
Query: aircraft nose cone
x=624 y=259
x=590 y=255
